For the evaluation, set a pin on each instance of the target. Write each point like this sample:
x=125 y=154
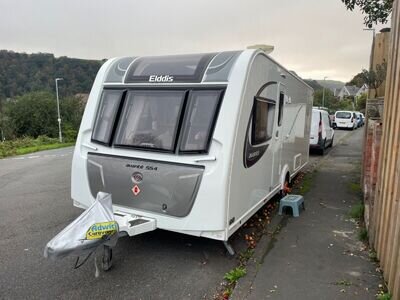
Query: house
x=351 y=91
x=363 y=90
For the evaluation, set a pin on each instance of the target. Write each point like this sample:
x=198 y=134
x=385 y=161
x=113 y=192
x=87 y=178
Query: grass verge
x=27 y=145
x=32 y=149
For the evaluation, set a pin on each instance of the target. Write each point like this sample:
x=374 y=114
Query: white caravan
x=194 y=144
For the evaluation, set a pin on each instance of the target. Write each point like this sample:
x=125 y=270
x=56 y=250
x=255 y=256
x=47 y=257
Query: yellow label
x=99 y=230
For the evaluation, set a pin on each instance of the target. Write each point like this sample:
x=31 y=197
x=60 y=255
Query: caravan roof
x=180 y=69
x=187 y=68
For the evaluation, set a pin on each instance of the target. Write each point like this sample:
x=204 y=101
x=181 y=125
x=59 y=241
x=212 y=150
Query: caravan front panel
x=159 y=187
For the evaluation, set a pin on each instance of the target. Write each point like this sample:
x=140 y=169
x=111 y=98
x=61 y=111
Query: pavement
x=317 y=255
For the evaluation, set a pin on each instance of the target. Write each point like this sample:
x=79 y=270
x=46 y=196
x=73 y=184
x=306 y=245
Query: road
x=35 y=205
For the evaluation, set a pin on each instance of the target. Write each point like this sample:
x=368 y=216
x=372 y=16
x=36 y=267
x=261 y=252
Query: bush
x=14 y=147
x=69 y=134
x=35 y=114
x=44 y=139
x=357 y=211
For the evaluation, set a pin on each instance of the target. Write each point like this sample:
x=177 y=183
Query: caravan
x=194 y=144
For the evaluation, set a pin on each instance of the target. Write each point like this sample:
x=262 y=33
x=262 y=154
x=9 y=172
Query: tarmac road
x=35 y=205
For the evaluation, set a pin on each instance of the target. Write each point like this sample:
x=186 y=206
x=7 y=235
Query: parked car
x=346 y=119
x=322 y=133
x=360 y=120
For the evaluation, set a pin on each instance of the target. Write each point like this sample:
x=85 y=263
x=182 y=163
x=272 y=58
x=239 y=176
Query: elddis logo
x=100 y=230
x=161 y=78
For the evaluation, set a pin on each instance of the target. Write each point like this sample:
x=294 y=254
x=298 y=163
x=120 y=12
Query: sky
x=315 y=38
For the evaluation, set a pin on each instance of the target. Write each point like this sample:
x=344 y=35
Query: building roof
x=352 y=90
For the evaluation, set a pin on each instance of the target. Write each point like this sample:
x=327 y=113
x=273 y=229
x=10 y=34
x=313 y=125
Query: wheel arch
x=285 y=174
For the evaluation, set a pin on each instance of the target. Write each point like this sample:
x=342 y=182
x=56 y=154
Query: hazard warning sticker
x=136 y=190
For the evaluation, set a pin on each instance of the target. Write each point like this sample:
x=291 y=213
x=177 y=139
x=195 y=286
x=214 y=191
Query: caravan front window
x=200 y=120
x=150 y=119
x=105 y=118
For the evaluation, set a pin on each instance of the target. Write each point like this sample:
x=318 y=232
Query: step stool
x=293 y=201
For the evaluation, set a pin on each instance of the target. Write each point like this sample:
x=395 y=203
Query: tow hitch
x=128 y=225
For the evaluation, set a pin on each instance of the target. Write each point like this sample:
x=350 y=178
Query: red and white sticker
x=136 y=190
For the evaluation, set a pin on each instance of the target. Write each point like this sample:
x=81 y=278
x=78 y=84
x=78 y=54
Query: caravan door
x=277 y=144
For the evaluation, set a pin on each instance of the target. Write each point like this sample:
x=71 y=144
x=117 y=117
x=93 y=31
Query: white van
x=322 y=133
x=346 y=119
x=194 y=144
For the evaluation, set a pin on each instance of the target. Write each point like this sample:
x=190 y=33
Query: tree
x=329 y=98
x=35 y=114
x=361 y=103
x=2 y=119
x=376 y=11
x=358 y=80
x=22 y=73
x=375 y=78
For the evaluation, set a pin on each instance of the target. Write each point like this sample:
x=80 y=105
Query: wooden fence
x=379 y=55
x=386 y=213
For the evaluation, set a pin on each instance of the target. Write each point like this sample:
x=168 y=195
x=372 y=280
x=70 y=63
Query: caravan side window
x=263 y=120
x=105 y=118
x=281 y=103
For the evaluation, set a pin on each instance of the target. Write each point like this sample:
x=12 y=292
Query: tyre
x=331 y=144
x=322 y=150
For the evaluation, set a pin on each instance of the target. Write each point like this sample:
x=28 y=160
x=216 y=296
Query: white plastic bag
x=95 y=227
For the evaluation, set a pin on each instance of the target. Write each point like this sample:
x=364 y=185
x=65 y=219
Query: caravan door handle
x=277 y=134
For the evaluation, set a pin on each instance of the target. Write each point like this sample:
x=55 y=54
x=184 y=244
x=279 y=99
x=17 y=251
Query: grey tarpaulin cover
x=93 y=228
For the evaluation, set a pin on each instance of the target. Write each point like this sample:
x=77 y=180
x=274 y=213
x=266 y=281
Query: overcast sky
x=315 y=38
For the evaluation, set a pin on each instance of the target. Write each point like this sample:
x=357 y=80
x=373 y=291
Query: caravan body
x=194 y=143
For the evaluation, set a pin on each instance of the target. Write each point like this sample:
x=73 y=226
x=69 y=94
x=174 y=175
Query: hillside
x=331 y=84
x=21 y=73
x=314 y=84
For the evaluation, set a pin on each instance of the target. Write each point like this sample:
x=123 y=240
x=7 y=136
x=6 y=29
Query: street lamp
x=323 y=93
x=58 y=111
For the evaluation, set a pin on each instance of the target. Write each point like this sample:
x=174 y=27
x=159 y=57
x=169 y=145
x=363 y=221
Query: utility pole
x=323 y=93
x=58 y=111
